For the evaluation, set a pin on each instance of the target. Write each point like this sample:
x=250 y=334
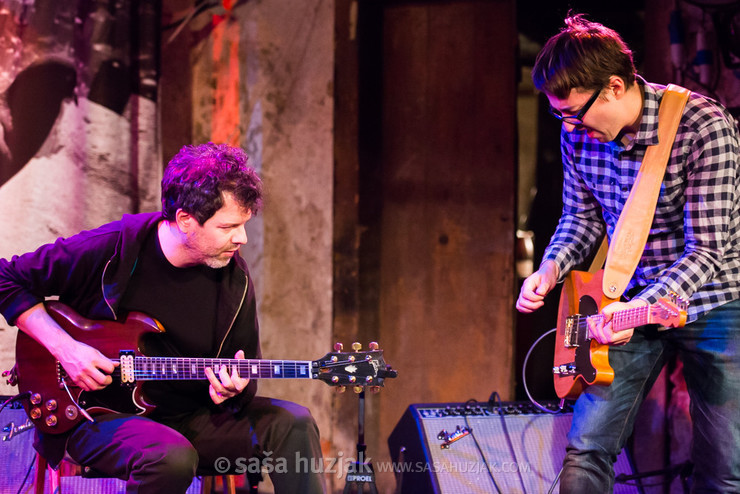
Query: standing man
x=182 y=267
x=609 y=117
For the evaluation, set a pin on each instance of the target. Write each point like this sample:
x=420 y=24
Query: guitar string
x=627 y=318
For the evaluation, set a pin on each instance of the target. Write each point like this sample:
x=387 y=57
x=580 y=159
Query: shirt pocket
x=604 y=186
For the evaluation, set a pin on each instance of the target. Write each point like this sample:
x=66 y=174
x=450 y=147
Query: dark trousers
x=605 y=415
x=162 y=456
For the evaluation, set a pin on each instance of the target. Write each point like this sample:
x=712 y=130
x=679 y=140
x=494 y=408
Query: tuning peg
x=375 y=389
x=356 y=346
x=357 y=389
x=373 y=345
x=340 y=389
x=338 y=347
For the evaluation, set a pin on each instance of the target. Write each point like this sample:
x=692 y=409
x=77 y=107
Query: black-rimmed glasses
x=576 y=119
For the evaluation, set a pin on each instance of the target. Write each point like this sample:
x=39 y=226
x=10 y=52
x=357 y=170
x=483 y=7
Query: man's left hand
x=601 y=330
x=224 y=385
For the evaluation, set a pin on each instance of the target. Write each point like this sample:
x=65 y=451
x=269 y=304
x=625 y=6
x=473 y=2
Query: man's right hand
x=86 y=367
x=536 y=286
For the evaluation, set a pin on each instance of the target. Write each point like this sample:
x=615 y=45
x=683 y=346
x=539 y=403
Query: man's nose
x=240 y=236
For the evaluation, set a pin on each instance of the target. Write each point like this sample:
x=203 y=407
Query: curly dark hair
x=196 y=178
x=583 y=54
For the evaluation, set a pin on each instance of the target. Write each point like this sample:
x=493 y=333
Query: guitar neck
x=176 y=368
x=631 y=318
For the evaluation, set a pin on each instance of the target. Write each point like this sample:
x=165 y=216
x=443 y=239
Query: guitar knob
x=373 y=345
x=35 y=398
x=51 y=420
x=70 y=412
x=35 y=413
x=51 y=405
x=338 y=347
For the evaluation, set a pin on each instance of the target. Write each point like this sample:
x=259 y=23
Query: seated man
x=182 y=267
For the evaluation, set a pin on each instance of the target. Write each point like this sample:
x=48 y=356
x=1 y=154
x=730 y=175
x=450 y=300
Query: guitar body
x=49 y=406
x=581 y=294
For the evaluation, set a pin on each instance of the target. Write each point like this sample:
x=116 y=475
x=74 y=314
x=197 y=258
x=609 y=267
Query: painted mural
x=78 y=133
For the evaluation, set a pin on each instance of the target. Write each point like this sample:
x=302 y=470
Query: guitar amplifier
x=17 y=455
x=18 y=461
x=451 y=448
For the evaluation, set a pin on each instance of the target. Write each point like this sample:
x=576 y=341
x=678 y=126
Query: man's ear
x=185 y=221
x=617 y=86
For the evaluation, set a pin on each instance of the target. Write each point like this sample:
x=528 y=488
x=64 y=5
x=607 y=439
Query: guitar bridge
x=61 y=375
x=571 y=331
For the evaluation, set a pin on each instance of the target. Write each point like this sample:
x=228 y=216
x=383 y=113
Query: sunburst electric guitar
x=55 y=405
x=580 y=361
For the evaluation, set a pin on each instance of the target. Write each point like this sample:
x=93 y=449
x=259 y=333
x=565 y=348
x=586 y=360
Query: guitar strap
x=633 y=226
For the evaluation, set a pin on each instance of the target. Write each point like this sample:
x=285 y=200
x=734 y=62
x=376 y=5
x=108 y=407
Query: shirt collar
x=647 y=135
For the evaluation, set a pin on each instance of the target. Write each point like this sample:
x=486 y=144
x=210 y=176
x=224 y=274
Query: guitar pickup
x=128 y=374
x=572 y=323
x=564 y=369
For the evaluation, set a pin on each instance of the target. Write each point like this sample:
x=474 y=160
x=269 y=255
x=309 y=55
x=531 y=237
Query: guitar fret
x=630 y=318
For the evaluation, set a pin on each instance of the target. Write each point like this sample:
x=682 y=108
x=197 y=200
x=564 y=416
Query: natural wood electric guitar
x=55 y=405
x=580 y=361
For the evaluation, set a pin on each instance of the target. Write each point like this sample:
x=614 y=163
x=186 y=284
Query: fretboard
x=629 y=318
x=175 y=368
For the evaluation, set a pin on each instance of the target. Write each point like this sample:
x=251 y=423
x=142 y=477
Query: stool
x=70 y=468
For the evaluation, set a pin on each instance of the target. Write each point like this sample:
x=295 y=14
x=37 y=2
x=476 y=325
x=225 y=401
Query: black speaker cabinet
x=16 y=449
x=451 y=448
x=17 y=461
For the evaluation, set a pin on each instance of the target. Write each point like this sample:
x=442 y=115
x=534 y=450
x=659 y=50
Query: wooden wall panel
x=447 y=185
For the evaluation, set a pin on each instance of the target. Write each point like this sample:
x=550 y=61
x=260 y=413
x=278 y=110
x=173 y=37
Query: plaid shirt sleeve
x=581 y=225
x=710 y=154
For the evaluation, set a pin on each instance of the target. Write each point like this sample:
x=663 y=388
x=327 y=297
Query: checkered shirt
x=693 y=248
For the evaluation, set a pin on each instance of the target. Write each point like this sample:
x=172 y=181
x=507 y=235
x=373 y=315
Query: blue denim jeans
x=604 y=415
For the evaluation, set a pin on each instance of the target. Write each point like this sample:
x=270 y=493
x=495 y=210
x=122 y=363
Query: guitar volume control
x=71 y=412
x=564 y=369
x=51 y=420
x=35 y=398
x=51 y=405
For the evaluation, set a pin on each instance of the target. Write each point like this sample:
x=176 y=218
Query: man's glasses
x=576 y=119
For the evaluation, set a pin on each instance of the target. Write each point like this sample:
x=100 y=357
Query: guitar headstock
x=358 y=368
x=669 y=311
